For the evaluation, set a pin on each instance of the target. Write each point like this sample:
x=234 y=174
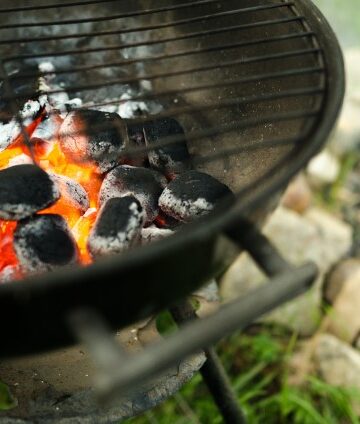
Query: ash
x=8 y=133
x=153 y=233
x=9 y=273
x=73 y=192
x=48 y=128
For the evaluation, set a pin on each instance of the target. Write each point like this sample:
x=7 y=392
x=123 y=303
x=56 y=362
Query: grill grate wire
x=292 y=17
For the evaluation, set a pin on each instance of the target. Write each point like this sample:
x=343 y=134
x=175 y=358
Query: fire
x=49 y=156
x=7 y=254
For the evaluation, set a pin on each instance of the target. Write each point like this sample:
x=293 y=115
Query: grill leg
x=213 y=373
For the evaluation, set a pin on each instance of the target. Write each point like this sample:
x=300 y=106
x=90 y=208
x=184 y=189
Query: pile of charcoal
x=139 y=198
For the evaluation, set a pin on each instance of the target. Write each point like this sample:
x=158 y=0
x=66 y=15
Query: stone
x=337 y=362
x=343 y=320
x=323 y=169
x=338 y=277
x=298 y=195
x=347 y=135
x=315 y=236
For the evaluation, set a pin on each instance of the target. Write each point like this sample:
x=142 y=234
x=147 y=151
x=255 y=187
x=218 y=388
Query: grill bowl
x=254 y=114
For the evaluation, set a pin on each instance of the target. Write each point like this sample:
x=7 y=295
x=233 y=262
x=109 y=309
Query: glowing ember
x=7 y=253
x=50 y=157
x=80 y=151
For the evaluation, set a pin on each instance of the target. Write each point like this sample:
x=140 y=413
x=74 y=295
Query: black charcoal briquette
x=191 y=195
x=117 y=227
x=43 y=243
x=143 y=183
x=20 y=85
x=92 y=135
x=24 y=190
x=72 y=192
x=170 y=159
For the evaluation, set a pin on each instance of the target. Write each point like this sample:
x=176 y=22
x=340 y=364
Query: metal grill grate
x=271 y=74
x=257 y=87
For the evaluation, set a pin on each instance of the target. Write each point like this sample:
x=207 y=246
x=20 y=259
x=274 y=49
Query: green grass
x=6 y=399
x=257 y=363
x=258 y=367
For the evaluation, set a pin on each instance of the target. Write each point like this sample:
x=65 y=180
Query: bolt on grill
x=256 y=87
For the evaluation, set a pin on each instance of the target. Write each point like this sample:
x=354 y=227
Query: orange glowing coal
x=49 y=156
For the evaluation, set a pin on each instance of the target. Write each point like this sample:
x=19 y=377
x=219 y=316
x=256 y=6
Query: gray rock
x=298 y=195
x=338 y=277
x=323 y=169
x=315 y=236
x=347 y=135
x=344 y=319
x=337 y=362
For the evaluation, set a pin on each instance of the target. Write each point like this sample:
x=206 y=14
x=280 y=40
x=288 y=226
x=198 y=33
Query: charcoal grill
x=257 y=86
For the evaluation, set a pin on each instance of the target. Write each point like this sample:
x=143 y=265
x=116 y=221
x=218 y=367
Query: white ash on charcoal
x=117 y=227
x=72 y=192
x=9 y=273
x=28 y=107
x=191 y=195
x=135 y=136
x=18 y=85
x=130 y=108
x=93 y=136
x=143 y=183
x=44 y=243
x=22 y=159
x=170 y=159
x=8 y=133
x=25 y=190
x=11 y=130
x=49 y=69
x=59 y=100
x=153 y=233
x=48 y=127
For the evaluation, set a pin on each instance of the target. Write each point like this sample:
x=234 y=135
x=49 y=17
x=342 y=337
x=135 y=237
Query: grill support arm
x=126 y=372
x=202 y=333
x=213 y=372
